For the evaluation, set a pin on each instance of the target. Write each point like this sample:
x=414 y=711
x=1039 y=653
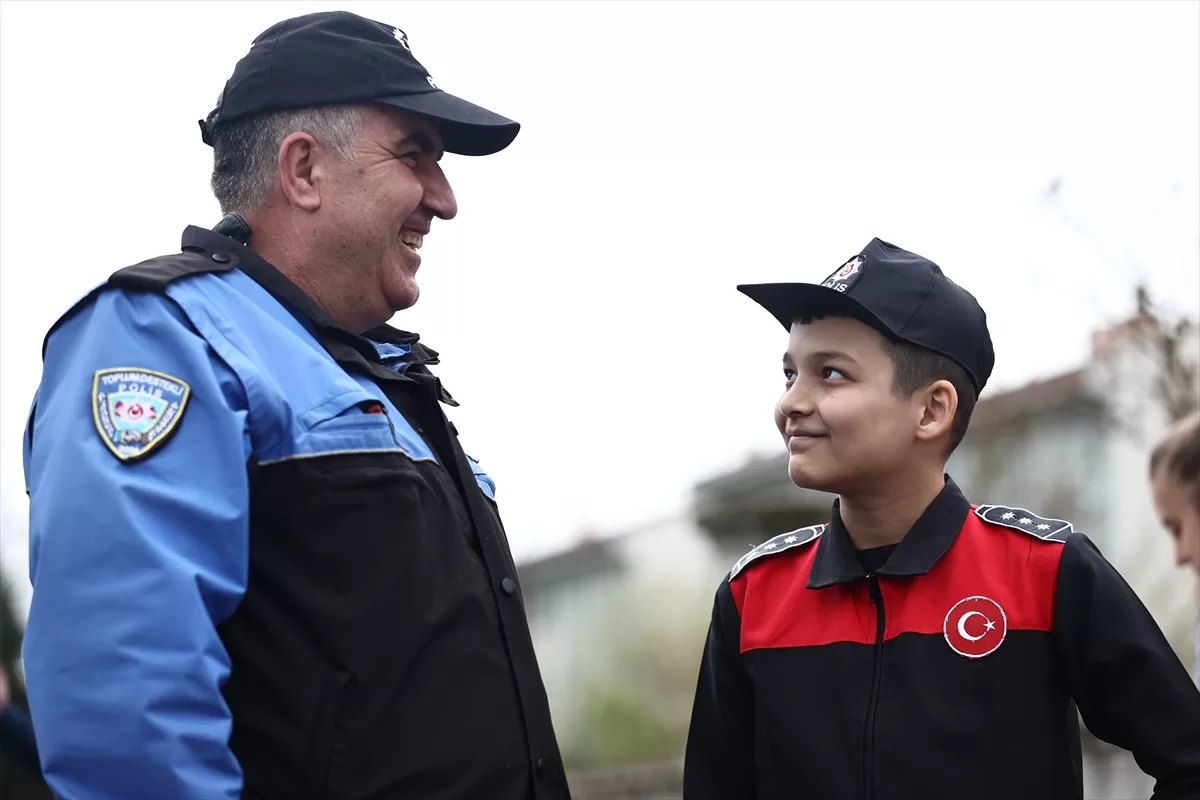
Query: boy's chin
x=802 y=473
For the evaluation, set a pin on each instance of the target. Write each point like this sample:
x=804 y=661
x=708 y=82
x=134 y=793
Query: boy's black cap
x=338 y=57
x=902 y=295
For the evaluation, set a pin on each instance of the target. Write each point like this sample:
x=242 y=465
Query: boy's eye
x=829 y=373
x=789 y=374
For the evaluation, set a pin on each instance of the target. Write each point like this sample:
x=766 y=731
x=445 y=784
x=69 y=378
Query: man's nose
x=439 y=197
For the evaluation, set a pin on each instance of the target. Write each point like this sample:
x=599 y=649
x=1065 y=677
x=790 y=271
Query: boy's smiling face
x=846 y=429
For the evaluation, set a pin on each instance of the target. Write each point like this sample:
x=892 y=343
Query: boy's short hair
x=915 y=368
x=1179 y=453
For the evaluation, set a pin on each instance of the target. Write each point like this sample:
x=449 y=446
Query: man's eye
x=412 y=157
x=829 y=373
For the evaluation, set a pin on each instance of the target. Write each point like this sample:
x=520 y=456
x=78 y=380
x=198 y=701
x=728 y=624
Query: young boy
x=918 y=646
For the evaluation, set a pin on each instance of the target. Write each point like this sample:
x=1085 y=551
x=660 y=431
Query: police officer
x=263 y=565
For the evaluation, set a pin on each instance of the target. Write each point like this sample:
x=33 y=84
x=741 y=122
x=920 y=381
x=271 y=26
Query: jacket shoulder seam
x=155 y=274
x=152 y=275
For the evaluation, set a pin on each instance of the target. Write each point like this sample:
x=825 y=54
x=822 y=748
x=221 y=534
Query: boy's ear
x=939 y=405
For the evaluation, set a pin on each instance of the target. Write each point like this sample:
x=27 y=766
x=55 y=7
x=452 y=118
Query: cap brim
x=467 y=129
x=789 y=301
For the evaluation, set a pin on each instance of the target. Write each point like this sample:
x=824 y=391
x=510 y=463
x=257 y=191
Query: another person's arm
x=719 y=762
x=16 y=731
x=1130 y=687
x=134 y=562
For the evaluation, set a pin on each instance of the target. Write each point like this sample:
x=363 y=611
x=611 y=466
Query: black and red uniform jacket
x=952 y=671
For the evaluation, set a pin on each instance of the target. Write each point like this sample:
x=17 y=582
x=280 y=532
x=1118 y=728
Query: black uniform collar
x=299 y=304
x=928 y=539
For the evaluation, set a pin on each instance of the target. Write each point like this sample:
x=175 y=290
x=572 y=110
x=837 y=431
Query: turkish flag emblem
x=975 y=626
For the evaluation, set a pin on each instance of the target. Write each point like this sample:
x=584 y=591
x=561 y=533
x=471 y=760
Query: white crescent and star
x=995 y=626
x=962 y=626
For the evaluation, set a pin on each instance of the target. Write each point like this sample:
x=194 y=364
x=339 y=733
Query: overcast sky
x=583 y=300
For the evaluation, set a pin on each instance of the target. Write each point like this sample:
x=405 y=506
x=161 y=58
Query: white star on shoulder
x=1007 y=515
x=1043 y=527
x=1024 y=520
x=790 y=539
x=990 y=625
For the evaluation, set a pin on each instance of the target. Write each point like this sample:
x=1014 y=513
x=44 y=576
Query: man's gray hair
x=246 y=151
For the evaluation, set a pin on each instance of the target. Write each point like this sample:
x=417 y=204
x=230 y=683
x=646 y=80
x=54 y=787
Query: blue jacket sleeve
x=134 y=561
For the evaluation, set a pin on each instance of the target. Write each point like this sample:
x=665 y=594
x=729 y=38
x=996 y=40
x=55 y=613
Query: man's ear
x=939 y=405
x=301 y=170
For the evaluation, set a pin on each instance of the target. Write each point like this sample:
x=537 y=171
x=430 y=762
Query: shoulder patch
x=1051 y=530
x=136 y=410
x=784 y=541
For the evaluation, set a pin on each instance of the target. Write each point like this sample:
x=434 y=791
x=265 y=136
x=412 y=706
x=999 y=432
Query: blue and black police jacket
x=262 y=564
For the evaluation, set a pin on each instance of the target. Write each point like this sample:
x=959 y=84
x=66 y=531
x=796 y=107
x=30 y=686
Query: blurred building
x=1074 y=446
x=579 y=600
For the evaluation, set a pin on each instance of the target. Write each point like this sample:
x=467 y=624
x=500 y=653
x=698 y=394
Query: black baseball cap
x=902 y=295
x=338 y=57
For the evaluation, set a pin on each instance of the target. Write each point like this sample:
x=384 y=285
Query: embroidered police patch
x=784 y=541
x=845 y=276
x=1052 y=530
x=136 y=410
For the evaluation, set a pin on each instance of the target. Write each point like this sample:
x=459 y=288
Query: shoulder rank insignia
x=1052 y=530
x=136 y=410
x=784 y=541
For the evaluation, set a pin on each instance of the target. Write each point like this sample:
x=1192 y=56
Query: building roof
x=1038 y=396
x=588 y=556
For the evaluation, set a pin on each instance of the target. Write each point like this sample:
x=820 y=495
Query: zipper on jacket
x=877 y=672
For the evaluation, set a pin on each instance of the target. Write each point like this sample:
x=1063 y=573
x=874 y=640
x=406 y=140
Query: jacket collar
x=342 y=344
x=836 y=560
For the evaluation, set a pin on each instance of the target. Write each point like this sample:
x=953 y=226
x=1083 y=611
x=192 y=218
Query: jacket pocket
x=351 y=425
x=324 y=734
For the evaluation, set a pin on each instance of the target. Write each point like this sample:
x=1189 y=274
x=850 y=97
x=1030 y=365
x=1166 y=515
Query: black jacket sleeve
x=16 y=739
x=719 y=760
x=1130 y=687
